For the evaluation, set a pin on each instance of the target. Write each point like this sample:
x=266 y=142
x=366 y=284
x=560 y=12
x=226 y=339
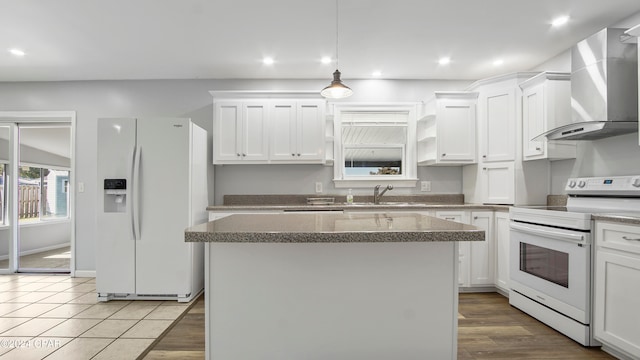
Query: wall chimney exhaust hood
x=604 y=89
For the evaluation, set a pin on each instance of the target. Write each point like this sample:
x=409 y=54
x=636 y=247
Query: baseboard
x=84 y=273
x=616 y=353
x=38 y=250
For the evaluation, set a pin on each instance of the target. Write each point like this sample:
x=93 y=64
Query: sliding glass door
x=36 y=192
x=44 y=161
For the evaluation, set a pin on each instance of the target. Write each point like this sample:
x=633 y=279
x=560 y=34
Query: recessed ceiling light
x=17 y=52
x=376 y=73
x=559 y=21
x=444 y=61
x=326 y=60
x=498 y=62
x=267 y=61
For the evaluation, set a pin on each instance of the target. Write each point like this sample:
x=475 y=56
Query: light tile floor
x=59 y=317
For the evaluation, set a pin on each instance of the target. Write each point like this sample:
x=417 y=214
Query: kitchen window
x=374 y=145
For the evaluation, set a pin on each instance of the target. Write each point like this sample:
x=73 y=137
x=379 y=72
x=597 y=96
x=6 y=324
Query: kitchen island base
x=383 y=300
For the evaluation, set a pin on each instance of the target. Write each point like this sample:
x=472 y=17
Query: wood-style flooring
x=488 y=328
x=185 y=340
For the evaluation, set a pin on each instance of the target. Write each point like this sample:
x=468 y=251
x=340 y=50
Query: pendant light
x=336 y=90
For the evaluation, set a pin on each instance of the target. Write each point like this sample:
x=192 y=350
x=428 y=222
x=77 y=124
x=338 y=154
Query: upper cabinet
x=447 y=133
x=500 y=175
x=546 y=105
x=268 y=130
x=240 y=131
x=297 y=131
x=498 y=125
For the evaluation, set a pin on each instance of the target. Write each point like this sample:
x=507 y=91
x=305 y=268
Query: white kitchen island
x=331 y=286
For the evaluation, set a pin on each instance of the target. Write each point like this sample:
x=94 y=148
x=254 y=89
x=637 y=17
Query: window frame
x=409 y=176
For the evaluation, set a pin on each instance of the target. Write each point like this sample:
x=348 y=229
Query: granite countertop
x=332 y=227
x=384 y=206
x=631 y=218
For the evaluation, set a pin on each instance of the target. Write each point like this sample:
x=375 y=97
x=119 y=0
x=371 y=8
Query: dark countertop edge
x=338 y=237
x=338 y=207
x=617 y=218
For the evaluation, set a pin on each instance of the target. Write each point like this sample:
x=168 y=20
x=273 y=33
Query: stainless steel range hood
x=604 y=89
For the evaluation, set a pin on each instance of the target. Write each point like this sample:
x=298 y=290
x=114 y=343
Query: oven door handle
x=578 y=238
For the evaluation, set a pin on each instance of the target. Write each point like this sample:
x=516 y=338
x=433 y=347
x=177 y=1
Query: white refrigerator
x=152 y=185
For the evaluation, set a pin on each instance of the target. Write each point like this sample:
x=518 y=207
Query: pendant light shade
x=336 y=90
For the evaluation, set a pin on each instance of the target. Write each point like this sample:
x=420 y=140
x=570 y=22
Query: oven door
x=553 y=267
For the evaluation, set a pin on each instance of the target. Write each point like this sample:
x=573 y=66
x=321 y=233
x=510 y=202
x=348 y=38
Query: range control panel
x=611 y=185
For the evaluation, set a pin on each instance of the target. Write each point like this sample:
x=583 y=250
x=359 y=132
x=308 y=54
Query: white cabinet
x=501 y=243
x=481 y=268
x=498 y=124
x=616 y=290
x=475 y=258
x=297 y=131
x=240 y=132
x=269 y=130
x=447 y=134
x=546 y=105
x=498 y=180
x=463 y=246
x=501 y=176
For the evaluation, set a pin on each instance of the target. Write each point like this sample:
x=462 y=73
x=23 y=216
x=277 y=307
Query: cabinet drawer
x=618 y=236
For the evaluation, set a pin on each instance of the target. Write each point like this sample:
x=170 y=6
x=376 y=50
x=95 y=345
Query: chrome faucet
x=377 y=194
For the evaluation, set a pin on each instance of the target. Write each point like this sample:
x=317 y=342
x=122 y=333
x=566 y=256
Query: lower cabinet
x=463 y=247
x=476 y=259
x=482 y=265
x=481 y=256
x=616 y=290
x=501 y=242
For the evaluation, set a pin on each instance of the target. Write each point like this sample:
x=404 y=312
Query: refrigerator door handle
x=135 y=208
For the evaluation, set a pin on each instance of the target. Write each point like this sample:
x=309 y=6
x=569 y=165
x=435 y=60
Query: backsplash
x=295 y=199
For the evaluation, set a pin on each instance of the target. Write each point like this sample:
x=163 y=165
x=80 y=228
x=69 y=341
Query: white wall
x=190 y=98
x=40 y=236
x=619 y=155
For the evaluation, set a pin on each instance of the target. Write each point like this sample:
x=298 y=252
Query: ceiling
x=227 y=39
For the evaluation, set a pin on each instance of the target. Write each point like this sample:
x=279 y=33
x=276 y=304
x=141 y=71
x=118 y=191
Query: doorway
x=37 y=227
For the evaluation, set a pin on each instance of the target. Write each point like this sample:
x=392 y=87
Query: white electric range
x=551 y=252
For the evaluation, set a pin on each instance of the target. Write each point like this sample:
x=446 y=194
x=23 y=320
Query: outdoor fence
x=29 y=201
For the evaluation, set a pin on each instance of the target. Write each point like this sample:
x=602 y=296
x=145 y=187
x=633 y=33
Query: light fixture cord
x=337 y=21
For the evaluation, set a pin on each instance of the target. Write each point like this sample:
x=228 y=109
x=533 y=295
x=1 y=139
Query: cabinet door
x=456 y=131
x=499 y=183
x=227 y=131
x=310 y=131
x=499 y=120
x=617 y=313
x=463 y=247
x=255 y=131
x=533 y=122
x=283 y=131
x=482 y=254
x=501 y=243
